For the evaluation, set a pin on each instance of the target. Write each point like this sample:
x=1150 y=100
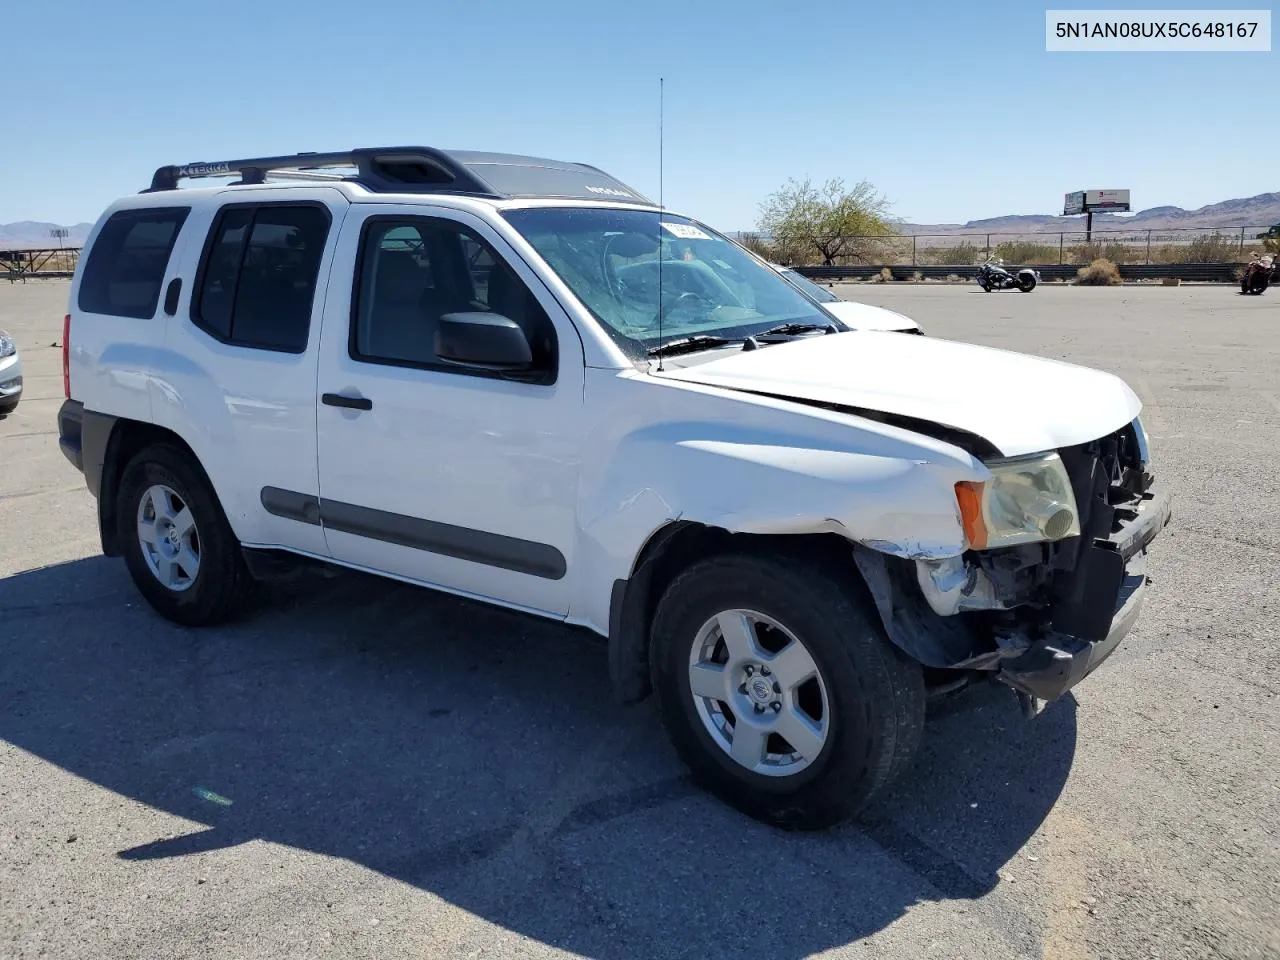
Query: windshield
x=819 y=293
x=710 y=285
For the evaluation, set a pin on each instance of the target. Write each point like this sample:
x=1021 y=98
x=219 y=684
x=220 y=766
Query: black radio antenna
x=661 y=208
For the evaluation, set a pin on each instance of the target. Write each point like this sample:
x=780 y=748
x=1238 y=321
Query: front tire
x=179 y=549
x=780 y=690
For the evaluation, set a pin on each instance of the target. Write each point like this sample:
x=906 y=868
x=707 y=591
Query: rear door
x=237 y=375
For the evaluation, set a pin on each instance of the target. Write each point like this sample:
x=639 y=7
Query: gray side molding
x=465 y=543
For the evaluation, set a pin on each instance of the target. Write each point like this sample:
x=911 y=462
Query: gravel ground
x=367 y=770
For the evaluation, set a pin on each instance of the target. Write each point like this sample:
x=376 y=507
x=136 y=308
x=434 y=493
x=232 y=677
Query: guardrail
x=1204 y=272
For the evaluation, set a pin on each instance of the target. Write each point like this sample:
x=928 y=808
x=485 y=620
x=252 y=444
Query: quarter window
x=126 y=267
x=258 y=282
x=413 y=271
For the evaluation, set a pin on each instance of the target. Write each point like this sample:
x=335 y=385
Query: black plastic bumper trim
x=1153 y=513
x=1059 y=662
x=70 y=424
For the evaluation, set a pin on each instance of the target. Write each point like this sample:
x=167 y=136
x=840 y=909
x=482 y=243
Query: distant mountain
x=1260 y=211
x=26 y=234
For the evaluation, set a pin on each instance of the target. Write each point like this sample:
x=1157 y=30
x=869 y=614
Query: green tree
x=834 y=221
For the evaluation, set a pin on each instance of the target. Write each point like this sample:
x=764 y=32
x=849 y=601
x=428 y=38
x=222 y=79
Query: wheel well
x=672 y=549
x=128 y=438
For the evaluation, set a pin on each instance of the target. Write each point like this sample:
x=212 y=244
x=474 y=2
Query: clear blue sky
x=953 y=110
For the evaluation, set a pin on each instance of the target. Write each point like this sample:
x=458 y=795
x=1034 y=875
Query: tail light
x=66 y=356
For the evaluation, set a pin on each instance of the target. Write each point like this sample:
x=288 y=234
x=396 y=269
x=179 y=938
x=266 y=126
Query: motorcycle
x=1257 y=275
x=993 y=276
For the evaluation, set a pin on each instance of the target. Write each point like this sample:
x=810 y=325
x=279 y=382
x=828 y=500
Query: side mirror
x=484 y=341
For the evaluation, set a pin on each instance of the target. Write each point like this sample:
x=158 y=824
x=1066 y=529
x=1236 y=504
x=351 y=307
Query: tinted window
x=126 y=266
x=222 y=268
x=259 y=278
x=414 y=271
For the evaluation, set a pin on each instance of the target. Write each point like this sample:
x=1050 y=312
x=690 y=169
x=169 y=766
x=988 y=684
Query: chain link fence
x=1190 y=245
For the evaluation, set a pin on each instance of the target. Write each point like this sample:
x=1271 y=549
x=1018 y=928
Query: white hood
x=863 y=316
x=1020 y=403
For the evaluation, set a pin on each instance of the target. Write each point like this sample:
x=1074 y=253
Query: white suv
x=455 y=369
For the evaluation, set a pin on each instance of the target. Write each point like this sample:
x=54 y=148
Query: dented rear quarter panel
x=659 y=450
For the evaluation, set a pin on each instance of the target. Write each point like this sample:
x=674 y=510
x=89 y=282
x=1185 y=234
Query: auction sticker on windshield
x=685 y=231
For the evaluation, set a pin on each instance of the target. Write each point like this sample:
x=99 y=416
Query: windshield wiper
x=689 y=345
x=790 y=329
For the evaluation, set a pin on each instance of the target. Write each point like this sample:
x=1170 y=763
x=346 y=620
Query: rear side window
x=126 y=266
x=258 y=279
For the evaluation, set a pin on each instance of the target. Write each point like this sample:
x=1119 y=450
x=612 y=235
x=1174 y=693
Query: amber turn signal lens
x=969 y=496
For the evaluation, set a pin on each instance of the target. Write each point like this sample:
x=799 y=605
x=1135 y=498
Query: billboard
x=1106 y=199
x=1073 y=204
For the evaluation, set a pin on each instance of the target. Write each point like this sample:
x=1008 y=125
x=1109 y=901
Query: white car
x=518 y=380
x=859 y=316
x=10 y=374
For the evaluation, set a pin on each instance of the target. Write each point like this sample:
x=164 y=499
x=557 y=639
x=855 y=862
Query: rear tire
x=1027 y=285
x=857 y=716
x=179 y=549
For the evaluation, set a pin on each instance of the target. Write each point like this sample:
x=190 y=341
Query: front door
x=447 y=476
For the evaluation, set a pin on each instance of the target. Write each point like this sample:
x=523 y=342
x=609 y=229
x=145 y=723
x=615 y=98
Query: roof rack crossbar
x=448 y=175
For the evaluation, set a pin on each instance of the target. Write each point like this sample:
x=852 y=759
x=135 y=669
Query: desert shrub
x=1214 y=248
x=963 y=252
x=1100 y=273
x=1271 y=245
x=917 y=276
x=1024 y=251
x=884 y=276
x=1113 y=250
x=954 y=277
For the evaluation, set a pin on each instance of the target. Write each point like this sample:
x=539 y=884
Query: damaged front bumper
x=949 y=616
x=1113 y=567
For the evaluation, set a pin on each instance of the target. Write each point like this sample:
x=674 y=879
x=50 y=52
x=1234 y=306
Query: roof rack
x=419 y=170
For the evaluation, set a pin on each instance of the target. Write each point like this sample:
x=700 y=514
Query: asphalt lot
x=362 y=769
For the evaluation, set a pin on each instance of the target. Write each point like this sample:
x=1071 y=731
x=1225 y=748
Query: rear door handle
x=351 y=403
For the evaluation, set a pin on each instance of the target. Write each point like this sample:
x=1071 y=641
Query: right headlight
x=1024 y=501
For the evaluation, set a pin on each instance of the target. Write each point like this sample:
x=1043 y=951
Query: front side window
x=414 y=270
x=612 y=261
x=258 y=282
x=127 y=264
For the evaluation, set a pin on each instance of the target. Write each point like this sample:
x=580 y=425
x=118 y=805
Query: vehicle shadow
x=477 y=754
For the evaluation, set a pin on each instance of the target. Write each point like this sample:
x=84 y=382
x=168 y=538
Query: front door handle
x=351 y=403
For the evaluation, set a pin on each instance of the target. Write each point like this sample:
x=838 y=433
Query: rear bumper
x=71 y=432
x=1058 y=661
